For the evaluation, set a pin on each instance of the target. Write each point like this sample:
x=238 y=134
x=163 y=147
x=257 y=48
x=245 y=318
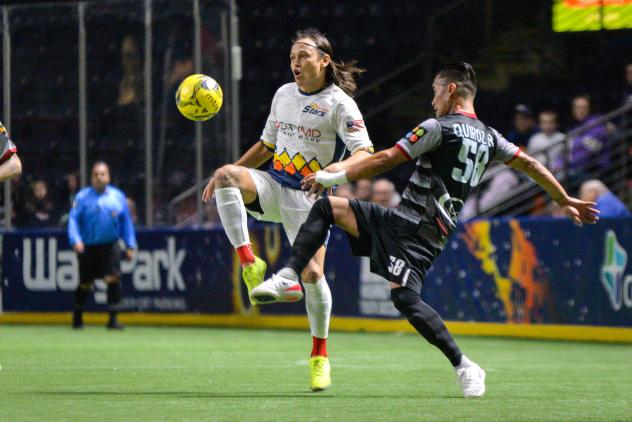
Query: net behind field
x=83 y=75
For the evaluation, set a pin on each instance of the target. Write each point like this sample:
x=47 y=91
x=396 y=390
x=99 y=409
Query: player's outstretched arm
x=10 y=168
x=359 y=155
x=361 y=169
x=578 y=211
x=256 y=155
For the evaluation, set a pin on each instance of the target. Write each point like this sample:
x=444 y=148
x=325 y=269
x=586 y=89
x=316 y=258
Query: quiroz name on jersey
x=463 y=130
x=303 y=133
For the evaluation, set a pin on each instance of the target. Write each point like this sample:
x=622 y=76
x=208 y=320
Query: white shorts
x=280 y=204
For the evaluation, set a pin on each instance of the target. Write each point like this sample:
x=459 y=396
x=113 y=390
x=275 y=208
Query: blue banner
x=535 y=271
x=173 y=271
x=521 y=271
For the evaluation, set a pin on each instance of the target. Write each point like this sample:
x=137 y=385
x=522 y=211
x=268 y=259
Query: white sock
x=465 y=362
x=232 y=212
x=318 y=305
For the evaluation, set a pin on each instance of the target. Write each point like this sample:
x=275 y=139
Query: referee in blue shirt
x=98 y=218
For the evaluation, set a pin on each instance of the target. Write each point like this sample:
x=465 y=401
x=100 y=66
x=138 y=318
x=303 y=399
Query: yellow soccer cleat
x=253 y=275
x=319 y=373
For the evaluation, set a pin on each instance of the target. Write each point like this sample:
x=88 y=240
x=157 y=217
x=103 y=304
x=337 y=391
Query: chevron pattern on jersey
x=295 y=164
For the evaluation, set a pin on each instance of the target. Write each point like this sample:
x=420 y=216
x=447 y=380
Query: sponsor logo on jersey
x=355 y=125
x=414 y=135
x=316 y=110
x=301 y=132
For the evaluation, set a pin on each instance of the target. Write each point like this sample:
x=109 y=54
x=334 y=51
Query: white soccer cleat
x=277 y=289
x=472 y=380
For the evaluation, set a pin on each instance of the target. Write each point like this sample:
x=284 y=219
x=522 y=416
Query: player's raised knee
x=227 y=176
x=403 y=298
x=323 y=206
x=311 y=275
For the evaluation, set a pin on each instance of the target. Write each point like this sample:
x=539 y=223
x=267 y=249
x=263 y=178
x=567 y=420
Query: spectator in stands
x=524 y=126
x=492 y=193
x=627 y=91
x=345 y=191
x=589 y=148
x=384 y=194
x=68 y=195
x=547 y=145
x=607 y=203
x=554 y=210
x=39 y=209
x=363 y=189
x=130 y=84
x=124 y=119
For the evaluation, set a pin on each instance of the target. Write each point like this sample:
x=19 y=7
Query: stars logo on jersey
x=316 y=110
x=414 y=135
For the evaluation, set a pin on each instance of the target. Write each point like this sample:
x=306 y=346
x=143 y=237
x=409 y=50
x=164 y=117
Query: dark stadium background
x=519 y=59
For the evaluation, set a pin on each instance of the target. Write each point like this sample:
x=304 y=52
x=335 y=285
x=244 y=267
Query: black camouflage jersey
x=454 y=151
x=7 y=148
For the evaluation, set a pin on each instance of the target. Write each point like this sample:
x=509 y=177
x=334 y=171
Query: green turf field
x=53 y=373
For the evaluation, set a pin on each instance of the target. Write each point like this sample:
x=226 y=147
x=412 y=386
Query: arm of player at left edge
x=349 y=171
x=578 y=211
x=10 y=168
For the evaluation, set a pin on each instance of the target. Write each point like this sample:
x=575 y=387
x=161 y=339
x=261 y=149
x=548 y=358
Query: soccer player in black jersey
x=452 y=152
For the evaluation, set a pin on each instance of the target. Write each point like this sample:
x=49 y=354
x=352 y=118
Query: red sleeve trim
x=403 y=151
x=514 y=157
x=8 y=155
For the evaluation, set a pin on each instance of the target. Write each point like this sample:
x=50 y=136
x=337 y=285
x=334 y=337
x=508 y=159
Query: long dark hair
x=338 y=72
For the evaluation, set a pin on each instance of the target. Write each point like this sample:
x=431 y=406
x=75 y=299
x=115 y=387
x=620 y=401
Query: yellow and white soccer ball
x=199 y=97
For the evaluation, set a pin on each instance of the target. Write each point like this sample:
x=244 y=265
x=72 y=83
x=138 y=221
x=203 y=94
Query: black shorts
x=397 y=251
x=97 y=261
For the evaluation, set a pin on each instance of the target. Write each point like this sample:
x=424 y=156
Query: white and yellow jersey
x=307 y=132
x=7 y=148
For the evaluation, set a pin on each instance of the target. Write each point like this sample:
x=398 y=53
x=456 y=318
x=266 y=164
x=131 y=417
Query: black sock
x=77 y=316
x=114 y=293
x=427 y=322
x=312 y=235
x=112 y=316
x=114 y=297
x=81 y=294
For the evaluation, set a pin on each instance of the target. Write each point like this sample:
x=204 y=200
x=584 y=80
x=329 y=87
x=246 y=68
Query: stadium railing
x=520 y=199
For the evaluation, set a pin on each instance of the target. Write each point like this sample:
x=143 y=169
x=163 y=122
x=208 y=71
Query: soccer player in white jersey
x=311 y=123
x=10 y=164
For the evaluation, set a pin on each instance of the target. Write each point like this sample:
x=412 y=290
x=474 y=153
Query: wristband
x=328 y=180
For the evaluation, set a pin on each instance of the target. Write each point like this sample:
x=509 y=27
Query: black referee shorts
x=396 y=249
x=97 y=261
